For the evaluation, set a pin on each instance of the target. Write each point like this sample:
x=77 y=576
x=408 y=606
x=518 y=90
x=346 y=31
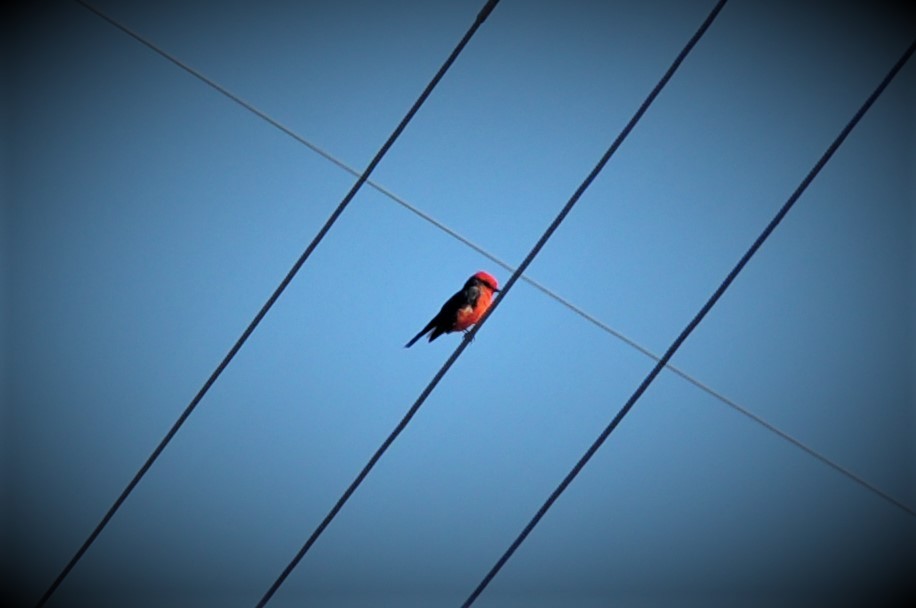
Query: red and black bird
x=463 y=309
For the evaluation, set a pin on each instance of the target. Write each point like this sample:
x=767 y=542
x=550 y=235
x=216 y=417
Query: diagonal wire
x=602 y=162
x=537 y=285
x=720 y=290
x=469 y=336
x=496 y=260
x=481 y=16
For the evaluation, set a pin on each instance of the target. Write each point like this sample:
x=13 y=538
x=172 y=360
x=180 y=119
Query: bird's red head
x=487 y=278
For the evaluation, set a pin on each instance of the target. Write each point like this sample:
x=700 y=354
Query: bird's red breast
x=469 y=315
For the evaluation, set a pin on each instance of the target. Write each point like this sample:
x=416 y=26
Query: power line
x=603 y=161
x=481 y=16
x=496 y=260
x=469 y=336
x=691 y=325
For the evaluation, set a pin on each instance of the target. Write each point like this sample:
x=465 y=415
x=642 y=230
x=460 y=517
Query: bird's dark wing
x=445 y=319
x=444 y=322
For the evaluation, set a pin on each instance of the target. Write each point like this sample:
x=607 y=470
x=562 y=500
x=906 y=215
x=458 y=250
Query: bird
x=463 y=309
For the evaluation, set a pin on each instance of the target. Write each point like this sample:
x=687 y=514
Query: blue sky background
x=147 y=218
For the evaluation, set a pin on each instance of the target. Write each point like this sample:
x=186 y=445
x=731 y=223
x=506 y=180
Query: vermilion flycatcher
x=462 y=309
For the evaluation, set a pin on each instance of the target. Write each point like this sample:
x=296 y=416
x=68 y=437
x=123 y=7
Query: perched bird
x=462 y=309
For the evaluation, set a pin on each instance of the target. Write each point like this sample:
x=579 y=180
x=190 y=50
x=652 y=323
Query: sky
x=146 y=218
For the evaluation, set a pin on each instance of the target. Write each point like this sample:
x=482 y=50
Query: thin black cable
x=481 y=16
x=603 y=161
x=691 y=326
x=362 y=475
x=544 y=289
x=469 y=336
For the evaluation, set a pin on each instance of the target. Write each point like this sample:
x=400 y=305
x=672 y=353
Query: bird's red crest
x=487 y=278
